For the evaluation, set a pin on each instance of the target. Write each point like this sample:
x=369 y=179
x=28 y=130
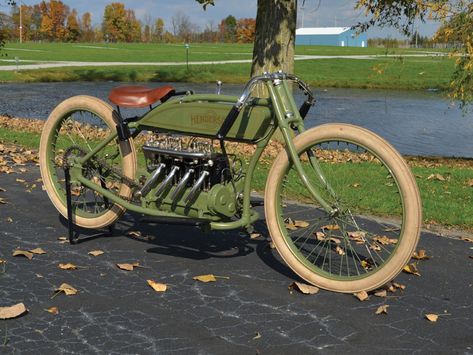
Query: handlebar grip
x=228 y=122
x=305 y=109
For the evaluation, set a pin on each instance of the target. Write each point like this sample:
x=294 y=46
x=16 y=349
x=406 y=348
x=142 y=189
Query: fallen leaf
x=357 y=236
x=436 y=177
x=301 y=224
x=365 y=264
x=382 y=309
x=291 y=227
x=471 y=256
x=3 y=201
x=432 y=317
x=257 y=336
x=158 y=287
x=466 y=239
x=10 y=220
x=304 y=288
x=134 y=234
x=53 y=310
x=255 y=235
x=421 y=255
x=12 y=311
x=95 y=252
x=67 y=266
x=339 y=250
x=67 y=289
x=37 y=251
x=128 y=267
x=411 y=269
x=362 y=295
x=20 y=181
x=2 y=189
x=384 y=240
x=63 y=240
x=330 y=227
x=205 y=278
x=398 y=285
x=271 y=245
x=381 y=293
x=26 y=254
x=2 y=261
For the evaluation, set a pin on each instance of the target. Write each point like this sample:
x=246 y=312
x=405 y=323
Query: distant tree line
x=54 y=21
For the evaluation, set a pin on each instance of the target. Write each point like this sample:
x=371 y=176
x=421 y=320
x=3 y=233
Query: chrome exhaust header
x=151 y=181
x=182 y=185
x=195 y=189
x=167 y=181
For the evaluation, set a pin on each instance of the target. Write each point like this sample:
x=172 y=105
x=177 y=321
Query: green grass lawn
x=383 y=72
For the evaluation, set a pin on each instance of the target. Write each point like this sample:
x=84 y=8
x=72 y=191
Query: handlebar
x=274 y=77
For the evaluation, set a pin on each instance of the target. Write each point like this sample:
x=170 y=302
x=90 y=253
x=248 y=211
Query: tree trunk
x=275 y=36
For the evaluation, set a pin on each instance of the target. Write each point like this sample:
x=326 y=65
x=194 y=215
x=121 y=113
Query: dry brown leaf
x=128 y=267
x=301 y=224
x=291 y=227
x=158 y=287
x=432 y=317
x=382 y=309
x=330 y=227
x=20 y=181
x=255 y=235
x=95 y=252
x=339 y=250
x=421 y=255
x=320 y=236
x=63 y=240
x=466 y=239
x=24 y=253
x=67 y=289
x=469 y=182
x=10 y=220
x=257 y=336
x=365 y=264
x=381 y=293
x=136 y=234
x=12 y=311
x=357 y=236
x=271 y=245
x=303 y=288
x=67 y=266
x=2 y=189
x=436 y=177
x=398 y=285
x=53 y=310
x=471 y=256
x=3 y=201
x=362 y=295
x=2 y=261
x=384 y=240
x=205 y=278
x=37 y=251
x=411 y=269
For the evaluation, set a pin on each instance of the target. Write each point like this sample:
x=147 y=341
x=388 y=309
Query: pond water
x=416 y=123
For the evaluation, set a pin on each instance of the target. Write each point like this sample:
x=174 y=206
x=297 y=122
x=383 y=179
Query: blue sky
x=329 y=13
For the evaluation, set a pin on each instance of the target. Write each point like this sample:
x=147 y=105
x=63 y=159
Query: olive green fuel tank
x=203 y=115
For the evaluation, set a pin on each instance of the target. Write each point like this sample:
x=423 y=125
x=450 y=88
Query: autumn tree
x=114 y=25
x=456 y=17
x=72 y=27
x=86 y=29
x=228 y=28
x=182 y=26
x=53 y=22
x=158 y=30
x=3 y=32
x=133 y=27
x=245 y=30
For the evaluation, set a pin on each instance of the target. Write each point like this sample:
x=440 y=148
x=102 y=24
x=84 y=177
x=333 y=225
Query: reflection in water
x=417 y=123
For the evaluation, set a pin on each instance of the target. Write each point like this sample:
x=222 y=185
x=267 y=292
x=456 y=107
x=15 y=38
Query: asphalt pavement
x=246 y=311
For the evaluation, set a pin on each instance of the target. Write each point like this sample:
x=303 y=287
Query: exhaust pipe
x=182 y=185
x=167 y=181
x=151 y=181
x=196 y=187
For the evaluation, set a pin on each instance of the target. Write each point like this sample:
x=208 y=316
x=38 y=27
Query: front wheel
x=374 y=225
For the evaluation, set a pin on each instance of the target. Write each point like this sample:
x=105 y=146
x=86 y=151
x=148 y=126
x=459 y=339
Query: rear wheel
x=74 y=128
x=374 y=226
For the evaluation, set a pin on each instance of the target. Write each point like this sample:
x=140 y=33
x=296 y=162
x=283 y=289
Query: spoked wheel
x=73 y=129
x=373 y=227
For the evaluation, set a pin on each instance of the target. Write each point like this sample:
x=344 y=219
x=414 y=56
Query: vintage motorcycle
x=341 y=205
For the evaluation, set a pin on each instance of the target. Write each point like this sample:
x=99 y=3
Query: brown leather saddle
x=139 y=96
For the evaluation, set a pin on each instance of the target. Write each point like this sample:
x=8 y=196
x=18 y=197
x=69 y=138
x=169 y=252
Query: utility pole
x=21 y=24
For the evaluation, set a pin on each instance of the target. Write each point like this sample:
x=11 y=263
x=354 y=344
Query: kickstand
x=74 y=237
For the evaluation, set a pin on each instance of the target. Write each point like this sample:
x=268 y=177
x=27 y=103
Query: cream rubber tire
x=406 y=184
x=127 y=150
